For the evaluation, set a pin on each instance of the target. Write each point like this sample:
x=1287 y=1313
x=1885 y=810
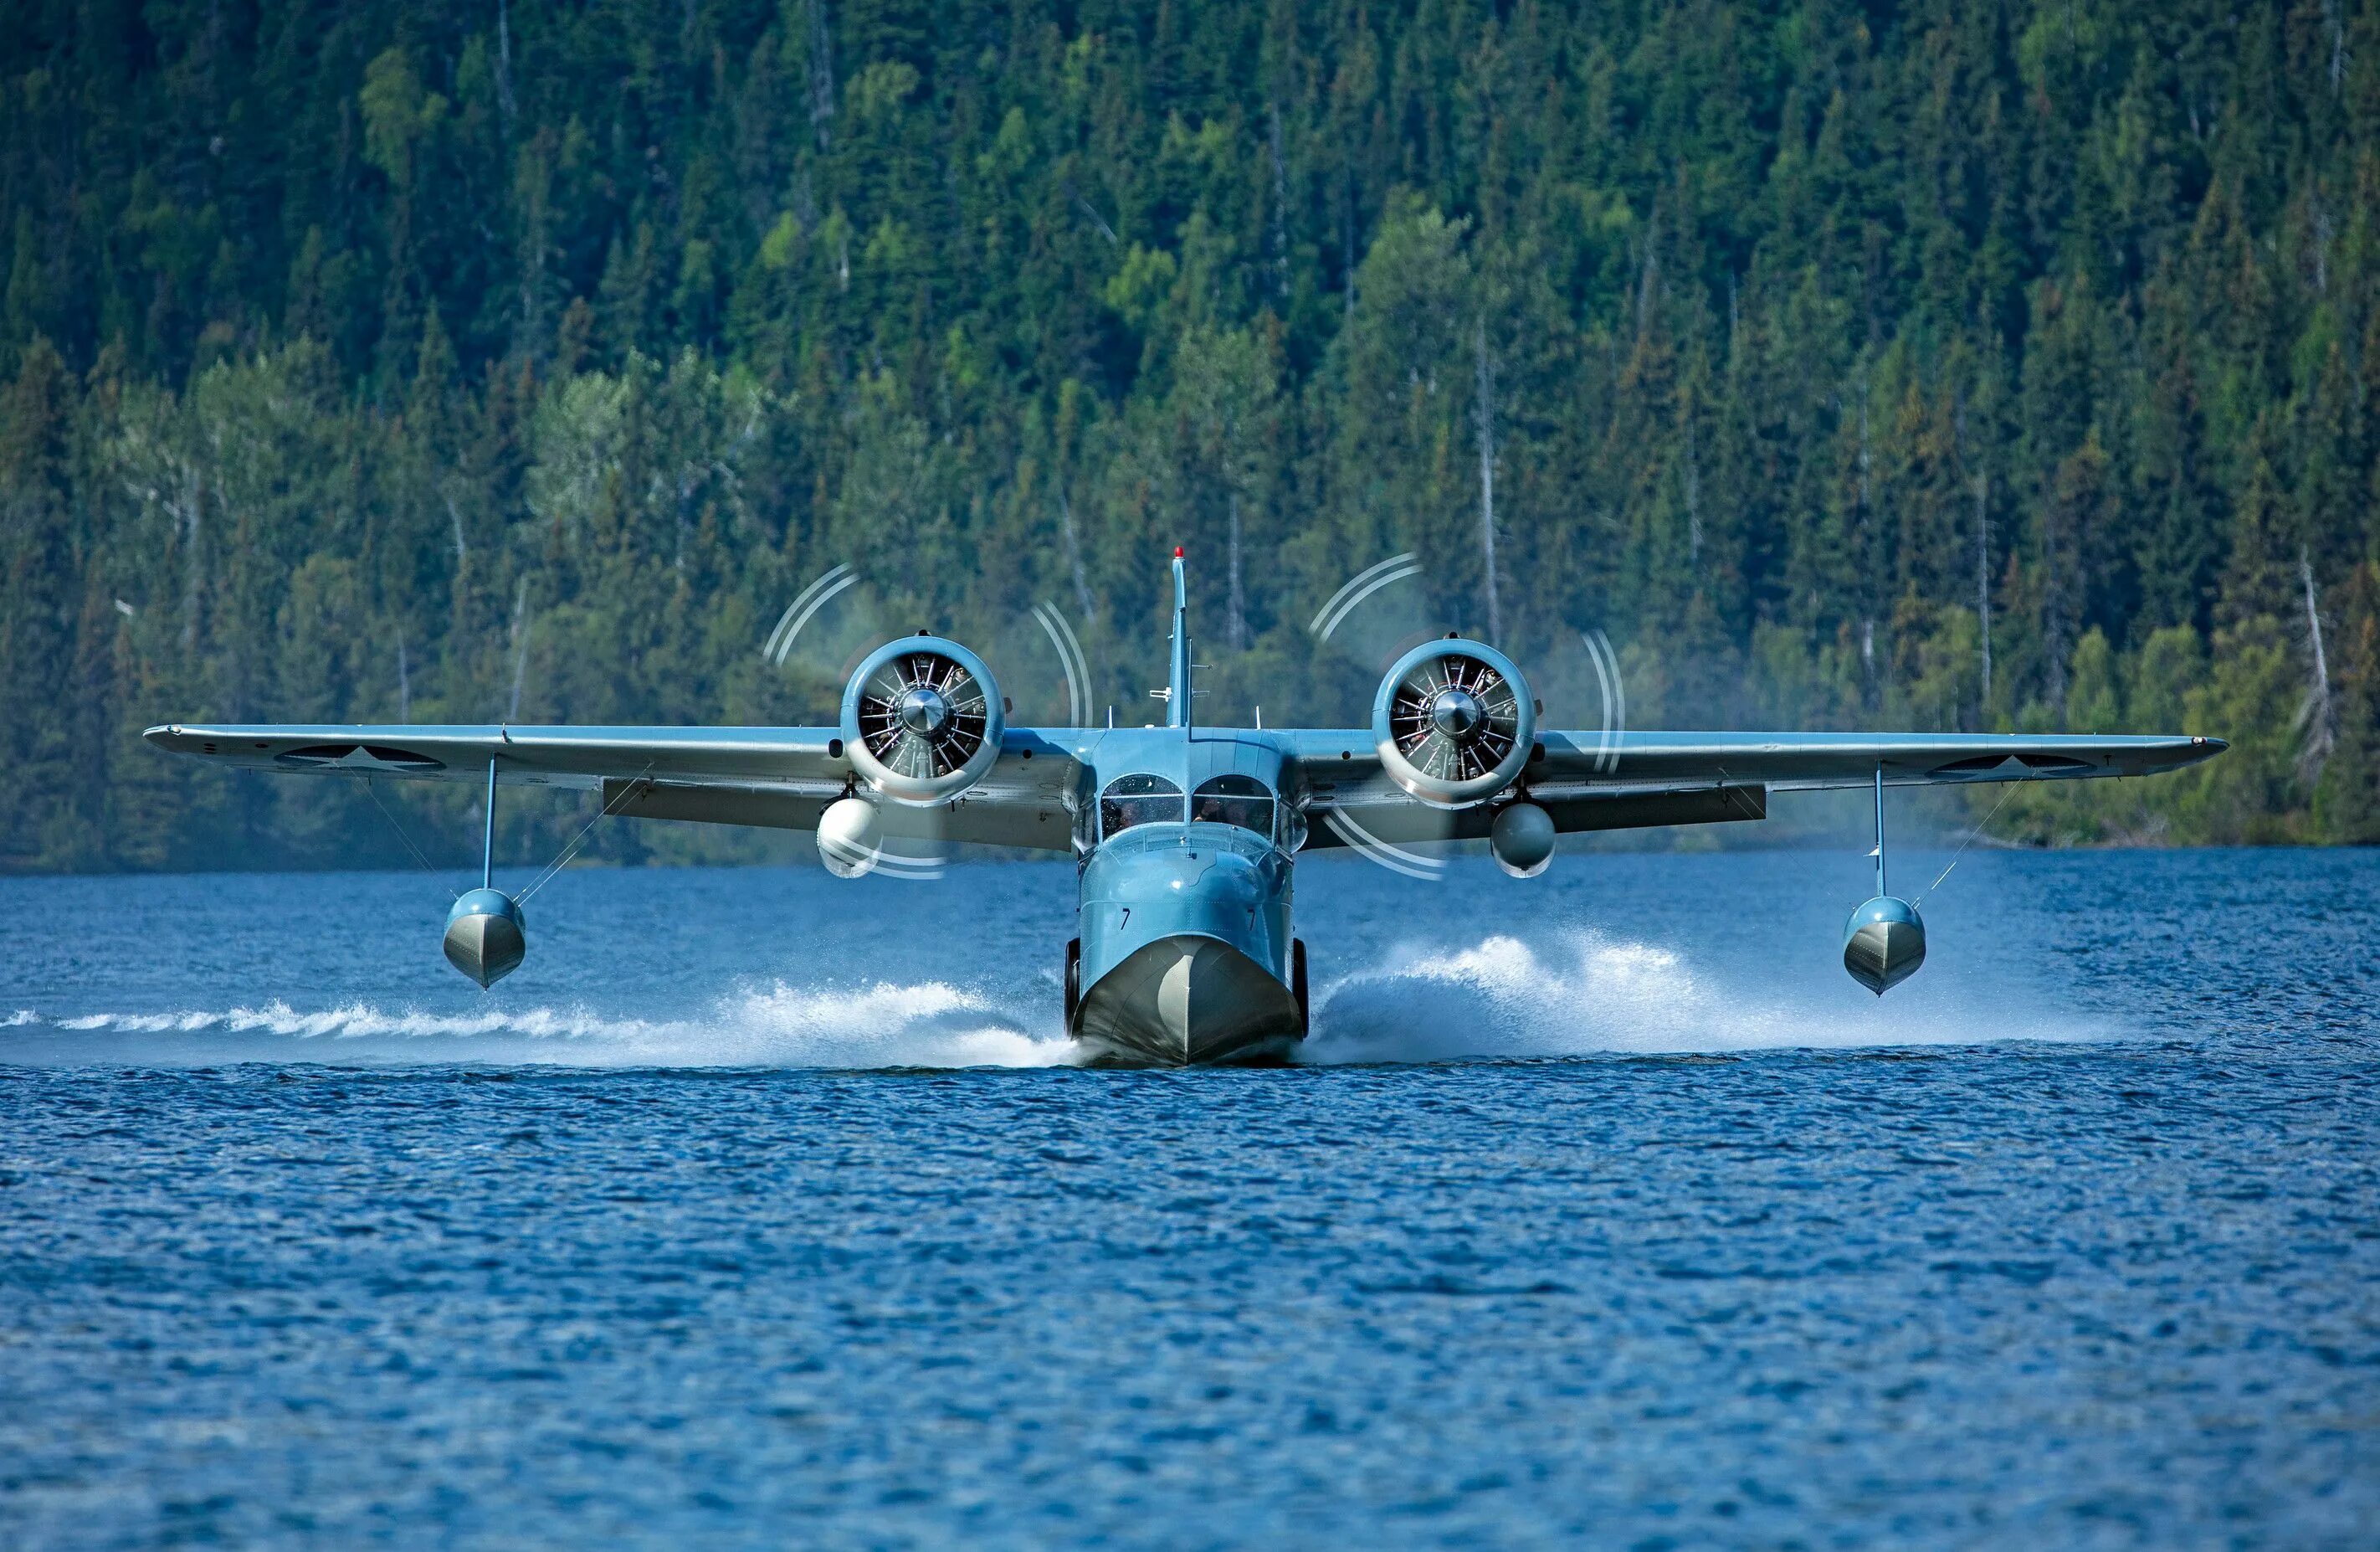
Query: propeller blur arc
x=1336 y=611
x=1361 y=586
x=803 y=609
x=1615 y=700
x=1372 y=848
x=1070 y=659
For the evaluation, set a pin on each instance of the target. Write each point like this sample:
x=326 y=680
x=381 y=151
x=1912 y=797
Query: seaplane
x=1184 y=837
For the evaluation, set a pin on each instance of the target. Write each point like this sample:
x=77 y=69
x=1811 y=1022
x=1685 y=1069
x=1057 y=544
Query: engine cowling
x=922 y=719
x=1453 y=722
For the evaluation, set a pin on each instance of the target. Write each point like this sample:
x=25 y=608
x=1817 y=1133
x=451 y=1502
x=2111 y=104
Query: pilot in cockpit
x=1234 y=800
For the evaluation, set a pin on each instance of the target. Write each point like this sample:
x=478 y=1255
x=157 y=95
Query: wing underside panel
x=1380 y=818
x=1025 y=820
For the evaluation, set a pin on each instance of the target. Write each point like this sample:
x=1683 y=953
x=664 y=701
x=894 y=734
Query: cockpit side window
x=1139 y=799
x=1234 y=800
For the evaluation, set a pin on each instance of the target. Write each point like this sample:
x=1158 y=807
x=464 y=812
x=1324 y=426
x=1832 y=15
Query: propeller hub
x=922 y=710
x=1456 y=712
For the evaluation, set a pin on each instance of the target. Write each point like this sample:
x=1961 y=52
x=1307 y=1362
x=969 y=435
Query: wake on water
x=1577 y=994
x=884 y=1025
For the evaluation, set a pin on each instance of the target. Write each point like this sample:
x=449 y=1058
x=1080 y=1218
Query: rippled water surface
x=763 y=1209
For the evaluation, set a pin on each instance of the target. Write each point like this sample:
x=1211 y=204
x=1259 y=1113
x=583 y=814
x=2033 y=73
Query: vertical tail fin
x=1177 y=680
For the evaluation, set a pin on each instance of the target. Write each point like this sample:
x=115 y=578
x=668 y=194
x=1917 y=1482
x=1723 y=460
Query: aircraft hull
x=1185 y=1000
x=1187 y=954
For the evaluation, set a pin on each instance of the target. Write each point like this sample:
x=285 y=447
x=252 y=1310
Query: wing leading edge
x=1595 y=781
x=782 y=777
x=570 y=757
x=1800 y=761
x=785 y=777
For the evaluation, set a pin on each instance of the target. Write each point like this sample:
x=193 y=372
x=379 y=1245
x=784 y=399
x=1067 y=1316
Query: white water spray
x=882 y=1025
x=1586 y=992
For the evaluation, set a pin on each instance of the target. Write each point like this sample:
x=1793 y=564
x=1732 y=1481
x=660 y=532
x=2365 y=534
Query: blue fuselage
x=1186 y=952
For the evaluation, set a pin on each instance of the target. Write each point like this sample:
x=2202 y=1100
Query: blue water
x=760 y=1209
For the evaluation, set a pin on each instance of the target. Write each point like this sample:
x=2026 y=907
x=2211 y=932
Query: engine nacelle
x=922 y=720
x=1453 y=723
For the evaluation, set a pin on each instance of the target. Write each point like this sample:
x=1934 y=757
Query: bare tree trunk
x=1694 y=501
x=2053 y=621
x=1649 y=277
x=2316 y=713
x=1280 y=209
x=193 y=505
x=1347 y=235
x=1235 y=625
x=685 y=486
x=1075 y=555
x=505 y=67
x=1983 y=575
x=2321 y=250
x=1091 y=212
x=520 y=646
x=821 y=72
x=1864 y=527
x=1484 y=412
x=404 y=685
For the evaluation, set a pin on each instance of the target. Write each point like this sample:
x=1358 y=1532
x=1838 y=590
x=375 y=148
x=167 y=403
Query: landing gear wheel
x=1297 y=985
x=1075 y=982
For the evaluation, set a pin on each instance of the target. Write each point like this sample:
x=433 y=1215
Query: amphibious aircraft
x=1185 y=837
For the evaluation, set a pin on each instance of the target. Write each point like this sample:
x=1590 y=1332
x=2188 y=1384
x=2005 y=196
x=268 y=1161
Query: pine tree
x=384 y=360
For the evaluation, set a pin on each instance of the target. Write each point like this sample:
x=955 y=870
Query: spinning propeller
x=1454 y=721
x=921 y=715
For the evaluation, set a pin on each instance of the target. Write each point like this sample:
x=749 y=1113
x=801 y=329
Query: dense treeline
x=1975 y=365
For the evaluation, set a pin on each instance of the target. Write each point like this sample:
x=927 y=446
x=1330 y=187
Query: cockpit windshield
x=1234 y=800
x=1139 y=799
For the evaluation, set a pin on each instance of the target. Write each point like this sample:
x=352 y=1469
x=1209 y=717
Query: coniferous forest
x=1975 y=365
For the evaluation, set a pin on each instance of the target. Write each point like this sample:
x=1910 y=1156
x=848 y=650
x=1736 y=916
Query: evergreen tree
x=2004 y=366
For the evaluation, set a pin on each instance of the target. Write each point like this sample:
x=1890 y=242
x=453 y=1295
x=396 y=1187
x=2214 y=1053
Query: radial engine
x=1453 y=722
x=922 y=719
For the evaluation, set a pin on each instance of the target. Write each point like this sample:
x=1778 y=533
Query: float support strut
x=1880 y=889
x=488 y=841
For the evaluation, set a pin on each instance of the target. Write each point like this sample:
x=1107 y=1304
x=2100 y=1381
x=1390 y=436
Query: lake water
x=760 y=1208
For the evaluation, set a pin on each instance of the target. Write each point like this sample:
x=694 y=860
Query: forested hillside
x=1975 y=365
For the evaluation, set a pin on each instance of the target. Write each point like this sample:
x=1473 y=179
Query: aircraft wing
x=782 y=777
x=1596 y=781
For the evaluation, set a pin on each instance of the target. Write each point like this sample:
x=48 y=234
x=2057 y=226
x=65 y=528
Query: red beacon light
x=1177 y=552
